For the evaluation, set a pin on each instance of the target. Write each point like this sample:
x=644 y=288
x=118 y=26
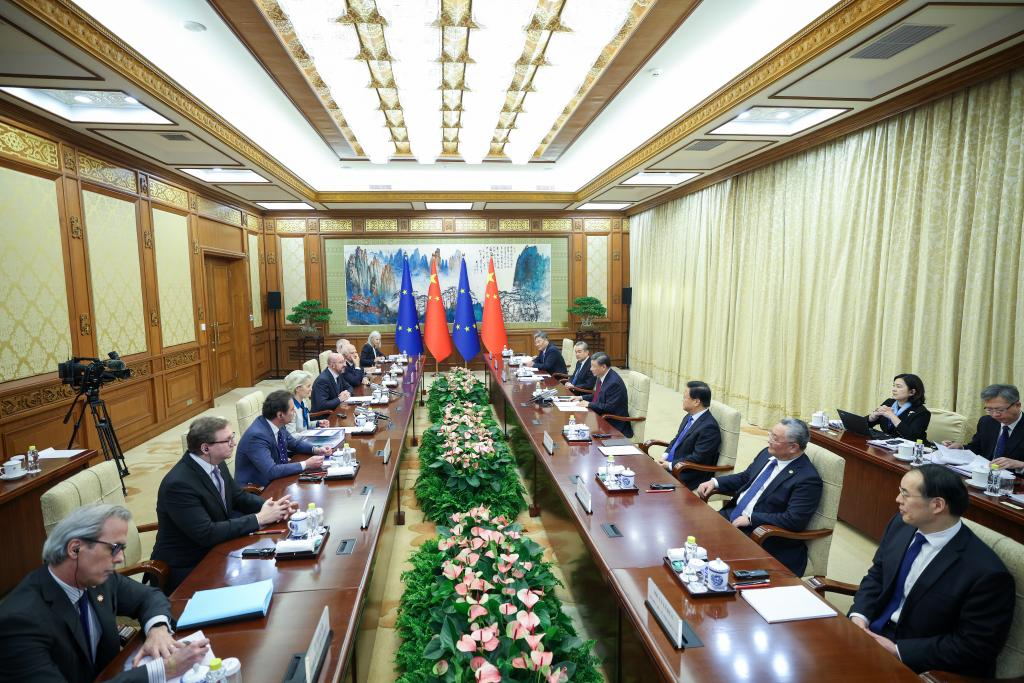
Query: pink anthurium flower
x=466 y=644
x=541 y=658
x=519 y=663
x=508 y=609
x=529 y=620
x=488 y=673
x=476 y=611
x=534 y=640
x=527 y=597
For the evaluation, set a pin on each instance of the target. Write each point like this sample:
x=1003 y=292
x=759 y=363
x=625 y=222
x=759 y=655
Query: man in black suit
x=199 y=504
x=59 y=623
x=936 y=596
x=264 y=448
x=548 y=358
x=610 y=396
x=1000 y=435
x=330 y=389
x=698 y=440
x=781 y=487
x=350 y=371
x=582 y=377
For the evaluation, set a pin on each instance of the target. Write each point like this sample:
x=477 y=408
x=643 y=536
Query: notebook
x=231 y=603
x=787 y=603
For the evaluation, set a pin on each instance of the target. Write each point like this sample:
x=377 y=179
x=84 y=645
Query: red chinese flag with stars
x=435 y=330
x=492 y=329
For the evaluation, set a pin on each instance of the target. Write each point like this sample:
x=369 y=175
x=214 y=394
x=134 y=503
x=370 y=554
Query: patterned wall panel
x=425 y=225
x=293 y=271
x=34 y=307
x=556 y=225
x=470 y=225
x=110 y=229
x=252 y=222
x=174 y=277
x=381 y=225
x=597 y=224
x=254 y=281
x=25 y=146
x=597 y=267
x=168 y=193
x=514 y=224
x=335 y=225
x=105 y=172
x=221 y=212
x=290 y=224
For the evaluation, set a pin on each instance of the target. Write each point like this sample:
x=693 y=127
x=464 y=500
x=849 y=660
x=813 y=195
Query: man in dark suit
x=698 y=439
x=610 y=396
x=264 y=448
x=1000 y=435
x=59 y=623
x=351 y=372
x=781 y=487
x=330 y=389
x=582 y=377
x=548 y=358
x=936 y=596
x=199 y=504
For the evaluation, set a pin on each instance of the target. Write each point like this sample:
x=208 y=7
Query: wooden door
x=221 y=332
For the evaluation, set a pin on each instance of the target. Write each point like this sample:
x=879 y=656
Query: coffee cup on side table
x=979 y=476
x=15 y=467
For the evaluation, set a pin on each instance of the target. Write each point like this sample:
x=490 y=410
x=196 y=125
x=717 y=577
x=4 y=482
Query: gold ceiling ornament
x=456 y=25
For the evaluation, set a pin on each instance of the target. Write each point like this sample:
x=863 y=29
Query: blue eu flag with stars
x=407 y=331
x=464 y=335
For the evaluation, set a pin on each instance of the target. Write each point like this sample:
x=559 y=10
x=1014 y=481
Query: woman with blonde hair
x=371 y=349
x=299 y=384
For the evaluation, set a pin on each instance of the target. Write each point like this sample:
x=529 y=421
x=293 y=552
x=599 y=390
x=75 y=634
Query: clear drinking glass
x=1006 y=484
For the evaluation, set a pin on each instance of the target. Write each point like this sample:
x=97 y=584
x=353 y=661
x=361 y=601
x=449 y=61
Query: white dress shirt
x=208 y=468
x=783 y=464
x=275 y=429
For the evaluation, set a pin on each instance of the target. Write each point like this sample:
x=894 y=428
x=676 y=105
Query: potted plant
x=588 y=308
x=309 y=315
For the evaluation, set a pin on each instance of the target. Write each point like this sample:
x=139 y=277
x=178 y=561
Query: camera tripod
x=104 y=428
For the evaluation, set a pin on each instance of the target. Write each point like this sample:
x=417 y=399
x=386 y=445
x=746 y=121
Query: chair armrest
x=148 y=526
x=252 y=488
x=823 y=584
x=559 y=375
x=766 y=531
x=686 y=465
x=155 y=567
x=323 y=413
x=623 y=418
x=646 y=445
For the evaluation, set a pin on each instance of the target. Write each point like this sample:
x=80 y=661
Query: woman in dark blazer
x=904 y=415
x=371 y=349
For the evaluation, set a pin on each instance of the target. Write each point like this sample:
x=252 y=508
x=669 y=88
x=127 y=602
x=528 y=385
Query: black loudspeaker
x=627 y=296
x=273 y=301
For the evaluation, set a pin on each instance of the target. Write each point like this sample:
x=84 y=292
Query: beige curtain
x=808 y=284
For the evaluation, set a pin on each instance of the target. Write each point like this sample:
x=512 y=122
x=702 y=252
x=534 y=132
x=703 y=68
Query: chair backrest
x=322 y=361
x=946 y=425
x=312 y=367
x=729 y=421
x=1010 y=662
x=99 y=484
x=567 y=354
x=638 y=387
x=831 y=468
x=247 y=409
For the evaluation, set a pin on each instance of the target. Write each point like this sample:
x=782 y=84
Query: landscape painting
x=373 y=276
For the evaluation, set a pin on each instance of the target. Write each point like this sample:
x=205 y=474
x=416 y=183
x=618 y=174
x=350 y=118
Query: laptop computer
x=858 y=424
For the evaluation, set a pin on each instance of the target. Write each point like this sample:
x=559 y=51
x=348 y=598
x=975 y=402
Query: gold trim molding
x=168 y=194
x=179 y=359
x=37 y=398
x=335 y=225
x=103 y=172
x=24 y=146
x=221 y=212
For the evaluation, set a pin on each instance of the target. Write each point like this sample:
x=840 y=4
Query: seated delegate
x=263 y=452
x=548 y=358
x=353 y=374
x=371 y=350
x=330 y=389
x=999 y=436
x=698 y=440
x=610 y=396
x=299 y=384
x=904 y=415
x=582 y=376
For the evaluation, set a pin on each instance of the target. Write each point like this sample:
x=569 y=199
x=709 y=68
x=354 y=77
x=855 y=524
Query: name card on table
x=318 y=646
x=385 y=452
x=549 y=444
x=367 y=513
x=583 y=494
x=678 y=631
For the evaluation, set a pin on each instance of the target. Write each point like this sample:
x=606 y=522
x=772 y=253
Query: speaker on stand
x=627 y=300
x=274 y=305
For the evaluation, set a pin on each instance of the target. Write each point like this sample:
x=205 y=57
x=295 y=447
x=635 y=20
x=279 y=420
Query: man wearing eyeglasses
x=999 y=436
x=59 y=623
x=199 y=505
x=936 y=596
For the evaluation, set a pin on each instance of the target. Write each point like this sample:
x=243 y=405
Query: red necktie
x=597 y=390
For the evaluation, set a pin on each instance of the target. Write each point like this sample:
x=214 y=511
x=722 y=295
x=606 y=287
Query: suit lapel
x=940 y=564
x=894 y=556
x=206 y=481
x=66 y=612
x=103 y=605
x=788 y=470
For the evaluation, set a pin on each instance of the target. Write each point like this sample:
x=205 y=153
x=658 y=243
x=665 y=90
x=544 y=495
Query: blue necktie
x=282 y=447
x=83 y=617
x=1004 y=436
x=579 y=367
x=753 y=490
x=897 y=592
x=671 y=455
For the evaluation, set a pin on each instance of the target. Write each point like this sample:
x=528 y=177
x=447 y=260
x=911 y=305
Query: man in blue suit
x=548 y=358
x=330 y=389
x=263 y=451
x=698 y=439
x=610 y=396
x=781 y=487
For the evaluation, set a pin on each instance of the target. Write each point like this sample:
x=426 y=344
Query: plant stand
x=593 y=338
x=304 y=343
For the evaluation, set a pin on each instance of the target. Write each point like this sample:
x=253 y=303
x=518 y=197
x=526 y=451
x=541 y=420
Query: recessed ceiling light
x=776 y=120
x=88 y=106
x=659 y=178
x=285 y=206
x=221 y=175
x=603 y=206
x=449 y=206
x=82 y=99
x=130 y=100
x=194 y=26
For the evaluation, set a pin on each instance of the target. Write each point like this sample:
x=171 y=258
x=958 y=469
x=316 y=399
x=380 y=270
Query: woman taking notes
x=904 y=414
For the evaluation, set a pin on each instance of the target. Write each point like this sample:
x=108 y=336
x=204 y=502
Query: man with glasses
x=936 y=596
x=781 y=487
x=265 y=446
x=199 y=505
x=999 y=436
x=59 y=623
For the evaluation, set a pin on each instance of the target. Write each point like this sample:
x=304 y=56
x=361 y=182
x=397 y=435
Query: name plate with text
x=385 y=452
x=678 y=631
x=367 y=513
x=583 y=495
x=549 y=444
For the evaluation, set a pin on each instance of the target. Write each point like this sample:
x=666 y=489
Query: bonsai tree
x=309 y=315
x=588 y=308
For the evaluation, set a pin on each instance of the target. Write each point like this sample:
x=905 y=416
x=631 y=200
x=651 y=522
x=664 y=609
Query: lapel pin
x=791 y=471
x=99 y=598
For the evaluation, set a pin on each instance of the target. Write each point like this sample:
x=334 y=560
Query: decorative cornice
x=179 y=359
x=25 y=146
x=481 y=196
x=35 y=398
x=221 y=212
x=169 y=194
x=104 y=172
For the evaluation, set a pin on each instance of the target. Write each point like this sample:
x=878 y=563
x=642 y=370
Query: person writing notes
x=936 y=596
x=264 y=448
x=548 y=358
x=904 y=414
x=999 y=436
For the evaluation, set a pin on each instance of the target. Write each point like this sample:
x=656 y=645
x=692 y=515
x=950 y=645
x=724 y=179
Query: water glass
x=1006 y=484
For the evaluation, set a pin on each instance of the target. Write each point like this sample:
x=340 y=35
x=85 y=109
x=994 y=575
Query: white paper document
x=198 y=635
x=570 y=407
x=787 y=603
x=956 y=456
x=322 y=431
x=52 y=454
x=619 y=450
x=359 y=399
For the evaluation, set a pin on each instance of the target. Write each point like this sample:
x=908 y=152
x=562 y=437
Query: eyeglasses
x=774 y=439
x=1000 y=411
x=115 y=548
x=907 y=494
x=230 y=439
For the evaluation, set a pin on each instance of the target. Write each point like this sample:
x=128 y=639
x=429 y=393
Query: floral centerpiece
x=479 y=605
x=458 y=385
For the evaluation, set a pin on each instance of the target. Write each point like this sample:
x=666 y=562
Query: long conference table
x=607 y=558
x=342 y=578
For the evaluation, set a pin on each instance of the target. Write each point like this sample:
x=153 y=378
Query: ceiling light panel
x=449 y=206
x=602 y=206
x=285 y=206
x=659 y=178
x=776 y=120
x=89 y=106
x=225 y=175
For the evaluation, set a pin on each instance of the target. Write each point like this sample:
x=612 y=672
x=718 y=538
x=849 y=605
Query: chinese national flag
x=435 y=332
x=492 y=329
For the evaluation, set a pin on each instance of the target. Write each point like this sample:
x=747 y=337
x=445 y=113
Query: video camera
x=89 y=373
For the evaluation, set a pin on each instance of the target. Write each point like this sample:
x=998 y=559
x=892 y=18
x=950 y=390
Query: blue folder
x=231 y=603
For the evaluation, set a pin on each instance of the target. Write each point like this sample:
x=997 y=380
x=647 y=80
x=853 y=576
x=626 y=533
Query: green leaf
x=434 y=649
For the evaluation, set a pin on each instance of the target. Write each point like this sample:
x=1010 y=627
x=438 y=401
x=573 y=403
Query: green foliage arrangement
x=309 y=315
x=465 y=462
x=588 y=308
x=480 y=605
x=455 y=387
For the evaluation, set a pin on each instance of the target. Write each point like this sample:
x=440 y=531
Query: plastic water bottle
x=32 y=460
x=216 y=672
x=995 y=479
x=690 y=548
x=570 y=429
x=919 y=452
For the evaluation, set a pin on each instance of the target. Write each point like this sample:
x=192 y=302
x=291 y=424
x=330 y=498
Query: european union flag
x=407 y=331
x=464 y=334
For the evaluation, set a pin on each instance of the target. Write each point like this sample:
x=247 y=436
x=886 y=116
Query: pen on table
x=660 y=490
x=267 y=532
